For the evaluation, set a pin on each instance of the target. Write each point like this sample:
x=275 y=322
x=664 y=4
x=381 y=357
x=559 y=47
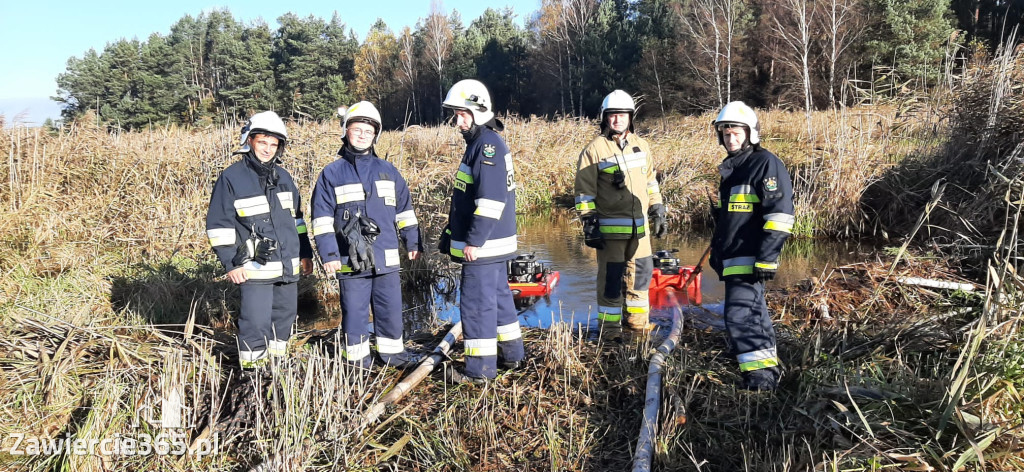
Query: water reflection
x=556 y=241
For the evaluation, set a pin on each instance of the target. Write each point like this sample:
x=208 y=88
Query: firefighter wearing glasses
x=256 y=228
x=481 y=235
x=361 y=208
x=616 y=191
x=754 y=219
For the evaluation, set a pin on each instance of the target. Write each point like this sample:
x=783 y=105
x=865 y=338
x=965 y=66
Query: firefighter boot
x=761 y=379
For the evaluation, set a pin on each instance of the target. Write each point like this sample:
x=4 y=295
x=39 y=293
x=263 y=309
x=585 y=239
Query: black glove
x=592 y=236
x=360 y=251
x=444 y=243
x=265 y=248
x=659 y=220
x=763 y=275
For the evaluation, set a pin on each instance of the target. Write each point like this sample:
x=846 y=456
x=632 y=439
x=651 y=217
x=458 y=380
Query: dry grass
x=101 y=238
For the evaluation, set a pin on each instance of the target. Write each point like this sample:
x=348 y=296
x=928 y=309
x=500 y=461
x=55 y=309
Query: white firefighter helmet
x=266 y=122
x=738 y=113
x=617 y=102
x=361 y=112
x=471 y=95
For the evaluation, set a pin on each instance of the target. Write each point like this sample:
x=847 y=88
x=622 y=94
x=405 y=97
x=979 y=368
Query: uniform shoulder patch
x=771 y=184
x=489 y=150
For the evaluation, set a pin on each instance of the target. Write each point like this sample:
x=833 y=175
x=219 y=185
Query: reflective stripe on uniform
x=406 y=219
x=585 y=203
x=386 y=190
x=252 y=206
x=767 y=265
x=253 y=359
x=779 y=222
x=464 y=174
x=349 y=193
x=481 y=347
x=295 y=266
x=391 y=257
x=286 y=200
x=608 y=166
x=277 y=348
x=743 y=194
x=621 y=225
x=491 y=248
x=323 y=225
x=635 y=159
x=637 y=306
x=755 y=360
x=357 y=352
x=509 y=332
x=738 y=266
x=653 y=188
x=608 y=313
x=222 y=236
x=256 y=271
x=489 y=208
x=300 y=225
x=390 y=346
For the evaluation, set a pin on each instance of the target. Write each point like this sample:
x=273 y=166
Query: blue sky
x=39 y=36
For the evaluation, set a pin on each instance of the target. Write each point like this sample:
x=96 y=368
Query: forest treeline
x=676 y=55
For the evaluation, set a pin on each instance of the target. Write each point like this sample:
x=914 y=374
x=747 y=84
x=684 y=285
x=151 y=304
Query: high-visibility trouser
x=624 y=265
x=749 y=325
x=384 y=294
x=490 y=323
x=265 y=322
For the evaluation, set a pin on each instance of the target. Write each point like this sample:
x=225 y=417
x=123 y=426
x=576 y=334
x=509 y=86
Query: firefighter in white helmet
x=754 y=218
x=361 y=209
x=257 y=230
x=620 y=205
x=481 y=235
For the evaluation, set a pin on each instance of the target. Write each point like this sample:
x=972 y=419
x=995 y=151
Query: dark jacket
x=363 y=184
x=483 y=206
x=755 y=214
x=249 y=197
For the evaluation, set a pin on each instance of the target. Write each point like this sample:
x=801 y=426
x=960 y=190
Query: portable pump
x=525 y=269
x=666 y=261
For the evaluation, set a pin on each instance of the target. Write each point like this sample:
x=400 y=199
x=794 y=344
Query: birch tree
x=438 y=38
x=792 y=20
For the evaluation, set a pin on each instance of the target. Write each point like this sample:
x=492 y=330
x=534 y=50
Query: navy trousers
x=749 y=324
x=265 y=323
x=384 y=294
x=490 y=324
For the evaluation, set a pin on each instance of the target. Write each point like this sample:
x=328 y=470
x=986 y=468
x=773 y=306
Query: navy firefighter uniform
x=483 y=215
x=355 y=190
x=754 y=219
x=255 y=222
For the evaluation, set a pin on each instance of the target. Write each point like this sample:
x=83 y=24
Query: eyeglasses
x=361 y=132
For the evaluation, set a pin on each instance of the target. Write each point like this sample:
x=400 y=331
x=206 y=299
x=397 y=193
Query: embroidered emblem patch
x=489 y=150
x=771 y=184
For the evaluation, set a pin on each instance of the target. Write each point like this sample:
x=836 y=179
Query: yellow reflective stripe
x=390 y=346
x=491 y=248
x=277 y=348
x=489 y=208
x=609 y=317
x=653 y=188
x=755 y=365
x=406 y=219
x=586 y=206
x=254 y=364
x=509 y=332
x=738 y=270
x=464 y=174
x=222 y=236
x=767 y=265
x=744 y=198
x=286 y=200
x=776 y=226
x=481 y=347
x=357 y=352
x=349 y=193
x=637 y=306
x=300 y=225
x=257 y=271
x=252 y=206
x=323 y=225
x=253 y=359
x=621 y=229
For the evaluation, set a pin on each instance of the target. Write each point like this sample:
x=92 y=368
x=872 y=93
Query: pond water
x=554 y=240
